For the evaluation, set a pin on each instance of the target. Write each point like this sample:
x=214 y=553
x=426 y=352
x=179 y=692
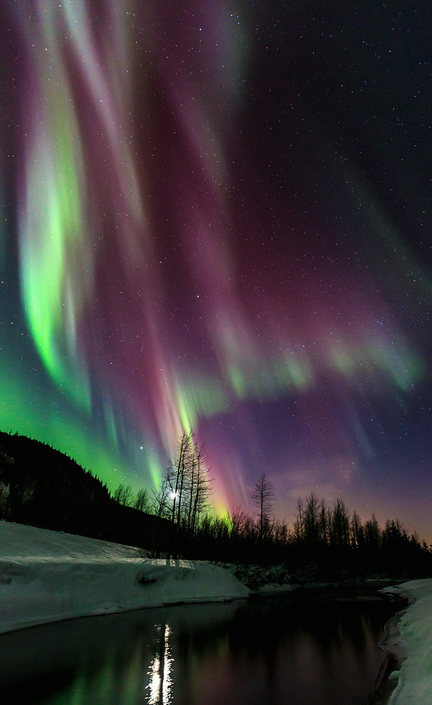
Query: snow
x=414 y=637
x=46 y=576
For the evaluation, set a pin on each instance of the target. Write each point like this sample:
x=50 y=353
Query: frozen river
x=278 y=651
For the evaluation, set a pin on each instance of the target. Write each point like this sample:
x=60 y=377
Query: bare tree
x=312 y=519
x=199 y=490
x=281 y=531
x=339 y=532
x=263 y=498
x=191 y=483
x=142 y=500
x=324 y=522
x=185 y=487
x=162 y=497
x=237 y=519
x=299 y=523
x=372 y=533
x=181 y=468
x=356 y=530
x=123 y=495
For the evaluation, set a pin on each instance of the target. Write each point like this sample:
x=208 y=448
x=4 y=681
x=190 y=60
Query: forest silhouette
x=43 y=487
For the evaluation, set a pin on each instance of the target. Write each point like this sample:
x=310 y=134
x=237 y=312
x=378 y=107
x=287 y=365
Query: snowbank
x=47 y=576
x=414 y=638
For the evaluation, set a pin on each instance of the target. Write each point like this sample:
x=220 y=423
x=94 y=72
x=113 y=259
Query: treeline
x=324 y=543
x=43 y=487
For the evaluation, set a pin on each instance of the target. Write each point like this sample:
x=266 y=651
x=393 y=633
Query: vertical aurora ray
x=190 y=257
x=53 y=249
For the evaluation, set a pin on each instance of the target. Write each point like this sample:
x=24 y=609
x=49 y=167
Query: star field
x=217 y=216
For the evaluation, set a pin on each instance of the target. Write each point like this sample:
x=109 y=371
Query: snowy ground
x=47 y=576
x=414 y=639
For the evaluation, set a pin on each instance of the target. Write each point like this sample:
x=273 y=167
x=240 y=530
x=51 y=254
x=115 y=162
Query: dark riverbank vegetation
x=45 y=488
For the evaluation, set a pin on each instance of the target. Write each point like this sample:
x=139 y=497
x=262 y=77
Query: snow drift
x=414 y=637
x=46 y=576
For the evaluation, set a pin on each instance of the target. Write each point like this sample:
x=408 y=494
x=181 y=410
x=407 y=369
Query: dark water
x=278 y=651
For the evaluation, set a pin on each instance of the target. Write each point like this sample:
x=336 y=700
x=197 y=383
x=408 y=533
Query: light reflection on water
x=160 y=685
x=278 y=652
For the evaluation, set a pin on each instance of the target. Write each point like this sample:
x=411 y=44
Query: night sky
x=217 y=216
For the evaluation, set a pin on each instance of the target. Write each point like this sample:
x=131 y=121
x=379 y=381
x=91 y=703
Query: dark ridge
x=43 y=487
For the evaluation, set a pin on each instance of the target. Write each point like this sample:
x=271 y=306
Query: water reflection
x=279 y=651
x=160 y=685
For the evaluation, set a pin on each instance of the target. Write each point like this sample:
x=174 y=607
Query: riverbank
x=48 y=576
x=393 y=647
x=410 y=641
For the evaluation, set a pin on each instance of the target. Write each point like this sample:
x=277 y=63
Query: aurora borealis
x=217 y=216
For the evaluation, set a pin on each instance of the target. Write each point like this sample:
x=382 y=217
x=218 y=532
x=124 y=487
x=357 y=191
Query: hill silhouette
x=43 y=487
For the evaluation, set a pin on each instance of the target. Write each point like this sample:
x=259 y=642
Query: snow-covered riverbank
x=413 y=640
x=47 y=576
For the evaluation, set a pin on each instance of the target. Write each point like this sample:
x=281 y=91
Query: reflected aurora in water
x=278 y=651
